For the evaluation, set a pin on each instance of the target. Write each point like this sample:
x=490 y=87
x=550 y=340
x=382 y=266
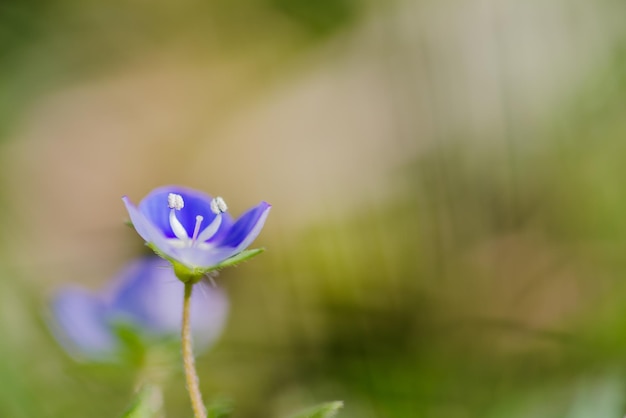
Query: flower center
x=175 y=202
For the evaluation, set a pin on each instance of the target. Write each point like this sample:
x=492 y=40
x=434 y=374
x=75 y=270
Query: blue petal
x=135 y=295
x=149 y=297
x=247 y=228
x=149 y=232
x=205 y=257
x=81 y=327
x=222 y=231
x=154 y=207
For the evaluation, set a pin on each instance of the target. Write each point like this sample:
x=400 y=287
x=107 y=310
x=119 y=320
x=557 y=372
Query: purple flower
x=146 y=297
x=193 y=230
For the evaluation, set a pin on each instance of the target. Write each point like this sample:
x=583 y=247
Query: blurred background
x=448 y=232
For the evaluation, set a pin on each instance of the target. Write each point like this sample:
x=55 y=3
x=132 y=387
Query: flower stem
x=193 y=386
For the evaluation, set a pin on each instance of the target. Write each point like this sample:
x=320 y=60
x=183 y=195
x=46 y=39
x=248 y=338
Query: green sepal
x=147 y=404
x=157 y=251
x=238 y=258
x=325 y=410
x=186 y=274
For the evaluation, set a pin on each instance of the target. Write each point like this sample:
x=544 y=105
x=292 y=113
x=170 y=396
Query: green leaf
x=325 y=410
x=147 y=403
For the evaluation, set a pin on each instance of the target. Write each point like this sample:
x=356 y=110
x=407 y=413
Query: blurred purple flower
x=148 y=298
x=192 y=229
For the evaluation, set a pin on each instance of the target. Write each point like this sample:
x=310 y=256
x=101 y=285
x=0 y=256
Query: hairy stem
x=193 y=386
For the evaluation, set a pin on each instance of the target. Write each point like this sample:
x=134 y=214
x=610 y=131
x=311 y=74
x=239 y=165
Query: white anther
x=175 y=201
x=218 y=205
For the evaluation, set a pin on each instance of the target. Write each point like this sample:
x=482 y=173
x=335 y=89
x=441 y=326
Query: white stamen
x=210 y=230
x=175 y=201
x=178 y=228
x=218 y=205
x=196 y=229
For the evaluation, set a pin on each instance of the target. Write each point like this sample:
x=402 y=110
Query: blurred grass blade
x=220 y=408
x=147 y=404
x=325 y=410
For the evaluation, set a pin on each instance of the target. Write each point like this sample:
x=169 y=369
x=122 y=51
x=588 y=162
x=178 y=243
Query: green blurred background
x=448 y=235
